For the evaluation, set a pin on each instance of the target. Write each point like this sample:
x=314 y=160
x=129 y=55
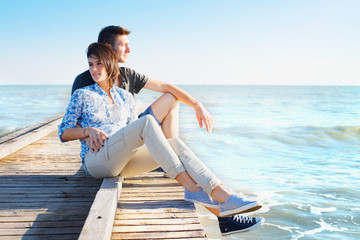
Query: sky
x=252 y=42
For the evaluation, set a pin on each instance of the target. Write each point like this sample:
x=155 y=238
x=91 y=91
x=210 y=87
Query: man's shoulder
x=84 y=75
x=127 y=71
x=82 y=80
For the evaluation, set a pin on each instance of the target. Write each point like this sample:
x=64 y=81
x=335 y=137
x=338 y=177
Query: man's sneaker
x=237 y=224
x=235 y=205
x=201 y=197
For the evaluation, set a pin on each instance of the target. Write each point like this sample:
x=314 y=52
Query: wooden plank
x=35 y=218
x=153 y=207
x=14 y=142
x=155 y=221
x=47 y=224
x=159 y=235
x=100 y=220
x=42 y=237
x=157 y=228
x=39 y=231
x=44 y=191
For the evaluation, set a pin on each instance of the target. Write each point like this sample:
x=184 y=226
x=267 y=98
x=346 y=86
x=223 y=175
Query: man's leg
x=166 y=110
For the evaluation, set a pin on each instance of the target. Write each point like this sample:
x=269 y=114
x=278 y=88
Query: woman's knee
x=149 y=122
x=149 y=119
x=175 y=143
x=173 y=140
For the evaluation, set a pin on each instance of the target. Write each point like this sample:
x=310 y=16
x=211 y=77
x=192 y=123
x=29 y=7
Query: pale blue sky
x=187 y=41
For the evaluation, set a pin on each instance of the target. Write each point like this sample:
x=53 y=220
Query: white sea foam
x=288 y=229
x=323 y=227
x=319 y=211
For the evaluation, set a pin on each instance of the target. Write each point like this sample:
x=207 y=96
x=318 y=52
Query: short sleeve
x=72 y=114
x=136 y=80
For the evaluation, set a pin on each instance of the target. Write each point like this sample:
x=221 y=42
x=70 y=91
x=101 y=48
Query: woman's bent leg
x=123 y=145
x=157 y=145
x=110 y=160
x=194 y=166
x=176 y=155
x=141 y=162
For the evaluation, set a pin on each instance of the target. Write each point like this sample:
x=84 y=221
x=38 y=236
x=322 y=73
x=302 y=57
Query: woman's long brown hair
x=106 y=56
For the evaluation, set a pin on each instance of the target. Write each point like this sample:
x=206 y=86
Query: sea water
x=26 y=105
x=294 y=148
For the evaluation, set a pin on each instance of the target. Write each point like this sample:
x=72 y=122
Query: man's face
x=122 y=48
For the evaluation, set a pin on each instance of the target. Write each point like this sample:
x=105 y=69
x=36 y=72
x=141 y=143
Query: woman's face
x=97 y=69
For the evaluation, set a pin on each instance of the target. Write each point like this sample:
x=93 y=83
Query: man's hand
x=204 y=117
x=96 y=139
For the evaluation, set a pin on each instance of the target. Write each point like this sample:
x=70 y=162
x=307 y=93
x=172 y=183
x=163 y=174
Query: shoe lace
x=242 y=219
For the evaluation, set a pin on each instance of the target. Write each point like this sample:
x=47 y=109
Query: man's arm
x=202 y=115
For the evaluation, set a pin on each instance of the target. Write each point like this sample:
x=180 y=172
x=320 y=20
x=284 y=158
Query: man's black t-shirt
x=132 y=81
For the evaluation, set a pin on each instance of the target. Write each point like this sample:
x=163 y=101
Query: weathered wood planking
x=98 y=224
x=153 y=207
x=44 y=192
x=13 y=142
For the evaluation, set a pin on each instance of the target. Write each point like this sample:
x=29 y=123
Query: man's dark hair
x=109 y=34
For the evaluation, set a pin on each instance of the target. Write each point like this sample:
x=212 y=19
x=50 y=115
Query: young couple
x=115 y=141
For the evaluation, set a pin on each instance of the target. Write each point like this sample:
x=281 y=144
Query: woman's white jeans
x=125 y=154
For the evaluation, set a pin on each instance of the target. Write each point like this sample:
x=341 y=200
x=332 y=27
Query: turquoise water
x=25 y=105
x=295 y=148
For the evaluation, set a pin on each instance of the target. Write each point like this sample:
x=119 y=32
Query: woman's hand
x=96 y=138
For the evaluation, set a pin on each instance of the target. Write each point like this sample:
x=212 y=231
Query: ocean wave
x=298 y=135
x=335 y=132
x=323 y=227
x=7 y=130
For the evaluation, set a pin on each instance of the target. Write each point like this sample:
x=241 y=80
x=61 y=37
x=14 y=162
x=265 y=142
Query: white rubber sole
x=259 y=223
x=243 y=209
x=201 y=203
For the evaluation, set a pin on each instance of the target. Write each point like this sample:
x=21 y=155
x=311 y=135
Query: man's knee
x=170 y=99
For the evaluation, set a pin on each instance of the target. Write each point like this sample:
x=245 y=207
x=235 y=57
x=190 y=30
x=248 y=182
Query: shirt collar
x=102 y=93
x=98 y=89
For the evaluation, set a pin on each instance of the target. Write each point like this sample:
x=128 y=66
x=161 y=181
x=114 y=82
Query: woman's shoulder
x=84 y=90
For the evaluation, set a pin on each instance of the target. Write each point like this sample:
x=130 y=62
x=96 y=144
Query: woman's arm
x=70 y=119
x=95 y=136
x=70 y=134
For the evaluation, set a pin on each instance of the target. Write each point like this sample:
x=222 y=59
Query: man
x=165 y=109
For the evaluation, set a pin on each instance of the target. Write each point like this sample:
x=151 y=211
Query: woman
x=108 y=117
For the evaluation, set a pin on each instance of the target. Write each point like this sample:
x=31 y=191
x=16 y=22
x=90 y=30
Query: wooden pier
x=46 y=194
x=153 y=207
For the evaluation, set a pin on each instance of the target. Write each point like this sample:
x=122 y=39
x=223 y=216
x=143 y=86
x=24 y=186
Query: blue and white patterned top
x=90 y=108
